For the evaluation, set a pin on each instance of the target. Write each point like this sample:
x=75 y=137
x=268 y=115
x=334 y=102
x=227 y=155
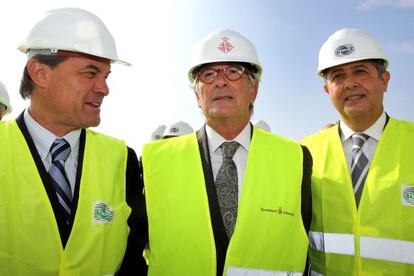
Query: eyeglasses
x=232 y=73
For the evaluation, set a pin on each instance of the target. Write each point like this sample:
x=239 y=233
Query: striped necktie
x=227 y=186
x=60 y=151
x=359 y=164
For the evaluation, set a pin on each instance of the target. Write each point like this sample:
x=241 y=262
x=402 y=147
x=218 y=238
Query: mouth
x=221 y=98
x=94 y=105
x=355 y=97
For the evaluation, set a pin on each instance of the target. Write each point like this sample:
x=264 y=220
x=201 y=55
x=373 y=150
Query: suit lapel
x=64 y=229
x=220 y=236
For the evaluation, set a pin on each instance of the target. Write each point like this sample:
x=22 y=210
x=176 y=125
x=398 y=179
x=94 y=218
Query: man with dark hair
x=363 y=176
x=71 y=199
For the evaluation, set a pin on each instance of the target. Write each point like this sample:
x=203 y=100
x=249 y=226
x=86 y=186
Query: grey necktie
x=359 y=164
x=60 y=151
x=227 y=186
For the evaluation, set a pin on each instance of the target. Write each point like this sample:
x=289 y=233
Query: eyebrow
x=352 y=67
x=96 y=68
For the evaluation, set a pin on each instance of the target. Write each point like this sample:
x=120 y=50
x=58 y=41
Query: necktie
x=59 y=151
x=359 y=164
x=227 y=186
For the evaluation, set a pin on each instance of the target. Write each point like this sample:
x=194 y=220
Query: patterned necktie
x=227 y=186
x=59 y=151
x=359 y=164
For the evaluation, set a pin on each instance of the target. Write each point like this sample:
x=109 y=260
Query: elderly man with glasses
x=229 y=199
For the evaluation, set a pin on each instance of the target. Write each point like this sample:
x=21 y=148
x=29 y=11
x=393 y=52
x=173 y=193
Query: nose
x=350 y=83
x=221 y=80
x=101 y=87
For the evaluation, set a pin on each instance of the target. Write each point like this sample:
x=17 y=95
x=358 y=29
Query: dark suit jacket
x=220 y=236
x=133 y=263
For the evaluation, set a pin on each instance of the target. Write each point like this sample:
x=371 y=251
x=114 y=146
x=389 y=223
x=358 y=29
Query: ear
x=38 y=72
x=253 y=92
x=386 y=76
x=325 y=88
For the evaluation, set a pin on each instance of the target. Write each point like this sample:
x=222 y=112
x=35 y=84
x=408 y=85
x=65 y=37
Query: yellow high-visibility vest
x=378 y=237
x=29 y=237
x=269 y=236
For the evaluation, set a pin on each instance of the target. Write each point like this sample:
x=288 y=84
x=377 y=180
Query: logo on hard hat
x=344 y=50
x=225 y=46
x=174 y=129
x=407 y=197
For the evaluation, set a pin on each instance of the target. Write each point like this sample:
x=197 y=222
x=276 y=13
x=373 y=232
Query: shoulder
x=321 y=135
x=97 y=136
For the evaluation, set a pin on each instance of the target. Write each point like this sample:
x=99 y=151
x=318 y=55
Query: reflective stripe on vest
x=387 y=249
x=373 y=248
x=242 y=271
x=332 y=242
x=314 y=273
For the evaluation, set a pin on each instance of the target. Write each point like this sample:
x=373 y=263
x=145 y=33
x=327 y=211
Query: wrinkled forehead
x=350 y=65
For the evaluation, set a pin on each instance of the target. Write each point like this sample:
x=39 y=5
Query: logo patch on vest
x=102 y=212
x=278 y=211
x=407 y=195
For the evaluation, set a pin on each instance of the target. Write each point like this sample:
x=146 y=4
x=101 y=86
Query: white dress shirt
x=43 y=140
x=374 y=132
x=240 y=157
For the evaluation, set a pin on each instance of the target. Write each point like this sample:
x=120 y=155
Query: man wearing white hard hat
x=71 y=198
x=5 y=106
x=263 y=125
x=177 y=129
x=158 y=133
x=230 y=199
x=363 y=177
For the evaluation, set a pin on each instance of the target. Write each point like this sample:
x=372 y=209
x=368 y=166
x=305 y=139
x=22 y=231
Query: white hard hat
x=4 y=98
x=158 y=133
x=72 y=29
x=349 y=45
x=177 y=129
x=262 y=124
x=224 y=46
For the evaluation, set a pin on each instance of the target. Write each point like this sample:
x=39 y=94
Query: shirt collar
x=43 y=138
x=215 y=140
x=374 y=131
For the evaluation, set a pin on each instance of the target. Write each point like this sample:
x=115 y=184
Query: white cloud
x=403 y=47
x=369 y=4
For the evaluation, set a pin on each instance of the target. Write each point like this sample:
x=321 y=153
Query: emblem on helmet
x=225 y=46
x=344 y=50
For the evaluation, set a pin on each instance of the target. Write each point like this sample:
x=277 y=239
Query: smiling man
x=363 y=176
x=70 y=201
x=230 y=199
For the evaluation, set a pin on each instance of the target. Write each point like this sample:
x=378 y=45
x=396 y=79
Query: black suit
x=133 y=263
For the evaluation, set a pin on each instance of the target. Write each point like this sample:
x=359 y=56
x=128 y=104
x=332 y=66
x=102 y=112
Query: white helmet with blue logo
x=349 y=45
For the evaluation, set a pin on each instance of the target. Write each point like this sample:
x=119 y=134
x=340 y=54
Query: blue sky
x=157 y=37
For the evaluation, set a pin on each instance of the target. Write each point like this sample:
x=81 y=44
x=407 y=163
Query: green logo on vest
x=102 y=212
x=407 y=195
